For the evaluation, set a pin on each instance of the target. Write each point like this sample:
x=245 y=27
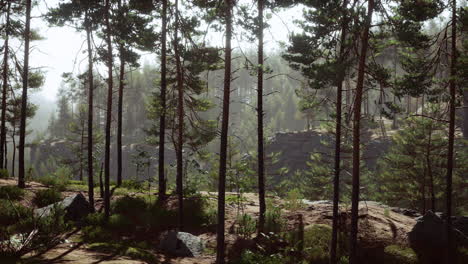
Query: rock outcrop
x=428 y=237
x=76 y=207
x=181 y=244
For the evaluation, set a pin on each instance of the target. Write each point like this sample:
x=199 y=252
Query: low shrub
x=133 y=208
x=11 y=192
x=120 y=224
x=58 y=180
x=11 y=213
x=133 y=184
x=274 y=222
x=317 y=243
x=160 y=218
x=250 y=257
x=4 y=174
x=23 y=231
x=94 y=233
x=45 y=197
x=123 y=250
x=395 y=254
x=246 y=226
x=199 y=211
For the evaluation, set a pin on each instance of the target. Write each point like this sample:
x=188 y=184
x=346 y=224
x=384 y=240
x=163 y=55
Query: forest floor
x=378 y=227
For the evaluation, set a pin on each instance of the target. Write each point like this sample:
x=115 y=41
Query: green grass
x=46 y=196
x=11 y=192
x=124 y=250
x=395 y=254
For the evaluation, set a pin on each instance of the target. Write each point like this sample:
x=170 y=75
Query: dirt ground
x=377 y=226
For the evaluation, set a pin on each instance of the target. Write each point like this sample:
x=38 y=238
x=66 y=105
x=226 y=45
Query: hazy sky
x=62 y=49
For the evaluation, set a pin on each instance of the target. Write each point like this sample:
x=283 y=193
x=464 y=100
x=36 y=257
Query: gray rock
x=428 y=238
x=407 y=212
x=76 y=207
x=181 y=244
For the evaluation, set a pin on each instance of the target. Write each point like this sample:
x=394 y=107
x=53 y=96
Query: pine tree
x=24 y=98
x=220 y=239
x=353 y=257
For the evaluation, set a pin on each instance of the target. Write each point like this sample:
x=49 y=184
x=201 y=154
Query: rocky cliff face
x=295 y=149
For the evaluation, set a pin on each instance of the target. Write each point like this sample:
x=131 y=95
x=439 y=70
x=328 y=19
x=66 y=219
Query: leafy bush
x=4 y=174
x=45 y=197
x=316 y=243
x=250 y=257
x=58 y=180
x=23 y=231
x=11 y=192
x=395 y=254
x=274 y=222
x=246 y=226
x=294 y=200
x=133 y=208
x=11 y=213
x=120 y=224
x=198 y=209
x=160 y=218
x=124 y=250
x=133 y=184
x=94 y=233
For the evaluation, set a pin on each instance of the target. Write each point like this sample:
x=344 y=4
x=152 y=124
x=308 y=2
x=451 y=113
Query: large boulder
x=181 y=244
x=76 y=207
x=428 y=238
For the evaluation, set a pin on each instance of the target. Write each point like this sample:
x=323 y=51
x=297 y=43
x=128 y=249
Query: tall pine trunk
x=180 y=124
x=108 y=113
x=90 y=113
x=3 y=135
x=162 y=119
x=261 y=155
x=220 y=254
x=353 y=258
x=451 y=136
x=339 y=103
x=120 y=110
x=24 y=98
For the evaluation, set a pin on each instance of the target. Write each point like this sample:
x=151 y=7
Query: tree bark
x=90 y=114
x=220 y=254
x=353 y=258
x=108 y=114
x=24 y=98
x=261 y=157
x=180 y=124
x=4 y=90
x=162 y=119
x=339 y=103
x=451 y=135
x=120 y=109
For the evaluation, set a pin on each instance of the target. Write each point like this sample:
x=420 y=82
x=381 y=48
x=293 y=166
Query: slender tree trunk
x=451 y=136
x=90 y=113
x=14 y=154
x=339 y=103
x=180 y=124
x=4 y=90
x=101 y=182
x=120 y=110
x=162 y=119
x=261 y=162
x=109 y=113
x=82 y=149
x=6 y=155
x=24 y=98
x=220 y=254
x=429 y=171
x=356 y=137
